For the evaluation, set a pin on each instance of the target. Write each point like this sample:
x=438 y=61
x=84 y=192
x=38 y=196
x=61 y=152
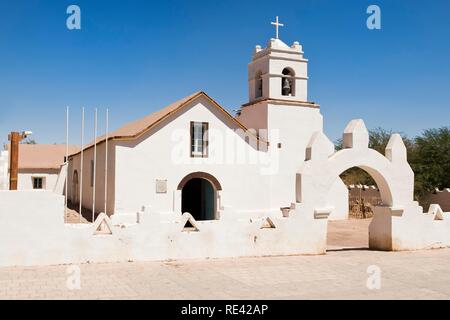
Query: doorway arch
x=199 y=195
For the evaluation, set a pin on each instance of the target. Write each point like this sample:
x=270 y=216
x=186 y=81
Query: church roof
x=137 y=128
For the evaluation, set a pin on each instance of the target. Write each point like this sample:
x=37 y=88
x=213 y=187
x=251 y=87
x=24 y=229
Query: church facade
x=193 y=156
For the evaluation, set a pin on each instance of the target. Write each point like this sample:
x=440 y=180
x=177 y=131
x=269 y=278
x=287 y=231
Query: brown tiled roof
x=138 y=127
x=43 y=156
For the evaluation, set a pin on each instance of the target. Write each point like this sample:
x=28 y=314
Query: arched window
x=288 y=82
x=75 y=177
x=75 y=187
x=258 y=85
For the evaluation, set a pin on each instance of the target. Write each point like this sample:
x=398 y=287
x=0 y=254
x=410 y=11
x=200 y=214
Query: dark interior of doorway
x=198 y=198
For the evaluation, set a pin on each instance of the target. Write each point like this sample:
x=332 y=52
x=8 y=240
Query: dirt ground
x=352 y=233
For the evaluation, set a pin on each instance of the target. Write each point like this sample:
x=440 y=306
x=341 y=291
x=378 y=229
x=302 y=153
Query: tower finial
x=277 y=25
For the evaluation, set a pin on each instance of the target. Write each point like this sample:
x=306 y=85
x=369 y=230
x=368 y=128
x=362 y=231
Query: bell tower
x=278 y=71
x=279 y=110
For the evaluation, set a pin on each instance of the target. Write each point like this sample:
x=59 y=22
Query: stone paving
x=340 y=274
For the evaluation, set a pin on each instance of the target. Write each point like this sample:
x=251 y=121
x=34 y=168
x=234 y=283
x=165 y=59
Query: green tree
x=428 y=155
x=431 y=160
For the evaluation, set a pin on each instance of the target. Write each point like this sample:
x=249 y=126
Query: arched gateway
x=391 y=172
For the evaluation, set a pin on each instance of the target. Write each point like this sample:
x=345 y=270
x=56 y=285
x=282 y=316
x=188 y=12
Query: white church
x=193 y=156
x=193 y=181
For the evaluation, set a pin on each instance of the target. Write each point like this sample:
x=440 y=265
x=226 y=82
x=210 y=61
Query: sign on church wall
x=161 y=186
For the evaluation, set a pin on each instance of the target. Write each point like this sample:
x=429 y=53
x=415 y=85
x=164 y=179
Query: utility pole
x=15 y=138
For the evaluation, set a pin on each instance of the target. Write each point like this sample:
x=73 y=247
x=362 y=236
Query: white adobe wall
x=271 y=176
x=255 y=117
x=4 y=170
x=165 y=154
x=25 y=178
x=60 y=183
x=31 y=223
x=409 y=228
x=34 y=233
x=292 y=126
x=75 y=164
x=338 y=196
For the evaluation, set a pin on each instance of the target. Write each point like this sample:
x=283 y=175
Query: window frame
x=204 y=139
x=42 y=184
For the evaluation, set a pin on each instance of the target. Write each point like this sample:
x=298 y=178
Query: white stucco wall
x=338 y=197
x=25 y=178
x=255 y=117
x=34 y=233
x=292 y=126
x=164 y=153
x=253 y=181
x=87 y=192
x=4 y=170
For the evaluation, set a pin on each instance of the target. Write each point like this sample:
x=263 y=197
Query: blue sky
x=135 y=57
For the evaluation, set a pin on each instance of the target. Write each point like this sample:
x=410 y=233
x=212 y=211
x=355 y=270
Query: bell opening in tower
x=287 y=82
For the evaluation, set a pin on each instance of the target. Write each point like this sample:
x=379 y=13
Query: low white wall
x=409 y=228
x=31 y=225
x=34 y=233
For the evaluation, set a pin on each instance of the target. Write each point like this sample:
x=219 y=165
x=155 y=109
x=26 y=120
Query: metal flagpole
x=106 y=160
x=67 y=160
x=81 y=162
x=95 y=165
